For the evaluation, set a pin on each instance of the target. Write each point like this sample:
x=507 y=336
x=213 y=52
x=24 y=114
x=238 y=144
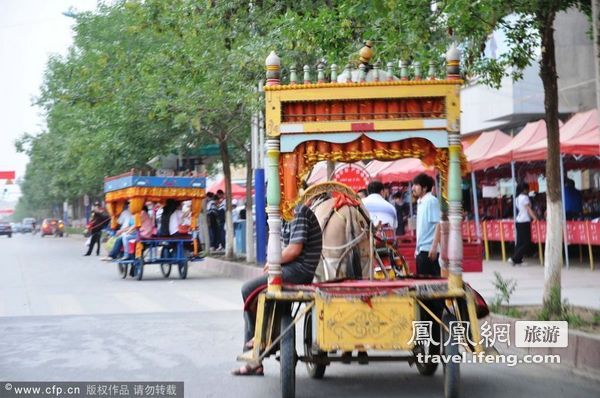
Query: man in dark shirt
x=399 y=205
x=98 y=221
x=303 y=240
x=573 y=200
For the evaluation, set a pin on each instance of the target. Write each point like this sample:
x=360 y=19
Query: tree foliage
x=150 y=77
x=145 y=78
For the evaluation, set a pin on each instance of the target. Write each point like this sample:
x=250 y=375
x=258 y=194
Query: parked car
x=16 y=227
x=5 y=228
x=28 y=225
x=52 y=226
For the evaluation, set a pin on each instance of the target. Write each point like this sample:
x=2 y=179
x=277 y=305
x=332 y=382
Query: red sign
x=352 y=175
x=7 y=175
x=362 y=126
x=7 y=211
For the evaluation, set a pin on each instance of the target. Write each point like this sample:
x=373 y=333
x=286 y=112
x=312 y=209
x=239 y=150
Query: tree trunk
x=228 y=219
x=250 y=255
x=554 y=231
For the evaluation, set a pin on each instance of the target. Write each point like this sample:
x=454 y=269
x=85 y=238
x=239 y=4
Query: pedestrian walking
x=97 y=223
x=523 y=223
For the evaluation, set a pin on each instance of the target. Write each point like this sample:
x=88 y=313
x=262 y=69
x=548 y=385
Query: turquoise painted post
x=273 y=64
x=455 y=245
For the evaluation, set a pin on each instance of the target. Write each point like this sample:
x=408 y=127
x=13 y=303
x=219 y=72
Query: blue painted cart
x=166 y=251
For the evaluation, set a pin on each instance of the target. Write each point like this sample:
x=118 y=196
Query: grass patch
x=579 y=318
x=501 y=301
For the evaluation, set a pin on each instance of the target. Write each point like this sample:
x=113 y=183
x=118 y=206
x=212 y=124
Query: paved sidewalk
x=580 y=285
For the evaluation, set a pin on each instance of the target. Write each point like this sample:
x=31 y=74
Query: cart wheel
x=315 y=370
x=165 y=269
x=183 y=269
x=122 y=270
x=426 y=368
x=139 y=270
x=287 y=357
x=451 y=369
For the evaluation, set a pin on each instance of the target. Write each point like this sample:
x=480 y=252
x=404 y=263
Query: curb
x=232 y=269
x=582 y=355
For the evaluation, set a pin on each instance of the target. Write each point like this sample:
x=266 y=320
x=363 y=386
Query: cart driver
x=302 y=241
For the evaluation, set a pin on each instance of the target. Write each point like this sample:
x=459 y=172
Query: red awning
x=587 y=143
x=581 y=134
x=487 y=143
x=376 y=166
x=572 y=140
x=318 y=173
x=531 y=134
x=237 y=191
x=402 y=170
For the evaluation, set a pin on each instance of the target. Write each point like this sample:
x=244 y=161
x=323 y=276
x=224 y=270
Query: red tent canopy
x=318 y=173
x=532 y=133
x=487 y=143
x=376 y=166
x=579 y=123
x=237 y=191
x=571 y=141
x=587 y=143
x=581 y=134
x=401 y=170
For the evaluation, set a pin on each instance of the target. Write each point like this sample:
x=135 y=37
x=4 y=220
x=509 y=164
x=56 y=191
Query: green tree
x=529 y=27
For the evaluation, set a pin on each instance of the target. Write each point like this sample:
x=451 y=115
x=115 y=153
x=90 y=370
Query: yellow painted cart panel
x=380 y=323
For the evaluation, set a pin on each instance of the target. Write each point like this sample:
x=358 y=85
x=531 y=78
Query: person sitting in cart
x=303 y=240
x=179 y=222
x=176 y=220
x=173 y=221
x=128 y=232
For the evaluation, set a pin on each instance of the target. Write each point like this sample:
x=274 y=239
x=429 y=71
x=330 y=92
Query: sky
x=30 y=31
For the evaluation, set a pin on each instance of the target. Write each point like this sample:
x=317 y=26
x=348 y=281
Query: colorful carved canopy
x=359 y=115
x=140 y=189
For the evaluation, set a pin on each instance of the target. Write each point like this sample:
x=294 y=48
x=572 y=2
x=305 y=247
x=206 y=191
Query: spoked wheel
x=426 y=368
x=165 y=269
x=287 y=357
x=122 y=270
x=169 y=253
x=183 y=269
x=314 y=357
x=451 y=369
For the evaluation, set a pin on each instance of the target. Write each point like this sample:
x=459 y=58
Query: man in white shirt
x=176 y=219
x=124 y=218
x=380 y=210
x=523 y=224
x=428 y=232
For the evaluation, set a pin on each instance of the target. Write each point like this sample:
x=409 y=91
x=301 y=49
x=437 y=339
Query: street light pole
x=259 y=189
